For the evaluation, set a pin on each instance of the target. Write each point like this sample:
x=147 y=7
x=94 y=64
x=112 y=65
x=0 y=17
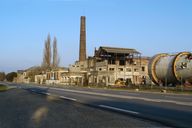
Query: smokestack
x=82 y=47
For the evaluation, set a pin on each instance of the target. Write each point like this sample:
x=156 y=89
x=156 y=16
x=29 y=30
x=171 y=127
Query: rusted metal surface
x=171 y=69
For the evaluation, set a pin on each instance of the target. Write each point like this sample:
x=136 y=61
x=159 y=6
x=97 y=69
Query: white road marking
x=63 y=97
x=118 y=109
x=47 y=93
x=68 y=98
x=126 y=97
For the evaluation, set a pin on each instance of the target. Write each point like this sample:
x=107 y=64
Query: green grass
x=3 y=88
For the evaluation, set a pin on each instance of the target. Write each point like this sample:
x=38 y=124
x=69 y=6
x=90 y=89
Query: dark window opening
x=111 y=61
x=111 y=69
x=120 y=69
x=136 y=70
x=143 y=69
x=121 y=62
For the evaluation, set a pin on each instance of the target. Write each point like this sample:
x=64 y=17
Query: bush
x=11 y=76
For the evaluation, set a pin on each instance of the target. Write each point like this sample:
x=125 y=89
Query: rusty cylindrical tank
x=171 y=69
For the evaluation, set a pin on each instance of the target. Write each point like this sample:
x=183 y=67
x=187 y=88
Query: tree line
x=9 y=76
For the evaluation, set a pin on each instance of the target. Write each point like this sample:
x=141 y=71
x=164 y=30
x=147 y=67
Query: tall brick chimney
x=82 y=46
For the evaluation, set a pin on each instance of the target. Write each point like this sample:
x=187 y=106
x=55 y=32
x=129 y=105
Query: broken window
x=121 y=62
x=128 y=69
x=111 y=61
x=111 y=69
x=136 y=69
x=120 y=69
x=143 y=69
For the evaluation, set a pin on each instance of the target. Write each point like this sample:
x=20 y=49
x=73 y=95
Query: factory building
x=113 y=66
x=108 y=66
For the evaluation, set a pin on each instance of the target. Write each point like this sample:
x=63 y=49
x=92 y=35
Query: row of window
x=121 y=69
x=122 y=62
x=53 y=76
x=77 y=66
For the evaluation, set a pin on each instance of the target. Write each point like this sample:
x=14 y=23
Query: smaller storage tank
x=171 y=69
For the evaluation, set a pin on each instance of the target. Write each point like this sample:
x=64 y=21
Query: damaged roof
x=118 y=50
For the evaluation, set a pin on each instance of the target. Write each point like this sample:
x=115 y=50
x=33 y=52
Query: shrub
x=11 y=76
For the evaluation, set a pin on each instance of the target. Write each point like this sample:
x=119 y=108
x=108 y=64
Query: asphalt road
x=168 y=109
x=28 y=109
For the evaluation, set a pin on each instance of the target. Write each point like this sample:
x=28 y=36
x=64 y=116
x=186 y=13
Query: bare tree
x=47 y=53
x=55 y=54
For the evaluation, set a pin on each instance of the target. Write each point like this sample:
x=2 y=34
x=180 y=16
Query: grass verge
x=3 y=88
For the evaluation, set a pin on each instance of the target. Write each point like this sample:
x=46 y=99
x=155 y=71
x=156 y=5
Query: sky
x=149 y=26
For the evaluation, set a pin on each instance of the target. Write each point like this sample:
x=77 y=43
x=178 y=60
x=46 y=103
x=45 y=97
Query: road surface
x=168 y=109
x=22 y=109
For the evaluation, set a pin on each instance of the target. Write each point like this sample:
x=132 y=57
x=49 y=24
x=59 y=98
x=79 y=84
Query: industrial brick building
x=113 y=66
x=109 y=66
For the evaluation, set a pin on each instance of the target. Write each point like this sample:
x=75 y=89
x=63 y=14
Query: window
x=143 y=69
x=128 y=69
x=111 y=61
x=136 y=69
x=48 y=76
x=111 y=69
x=122 y=62
x=120 y=69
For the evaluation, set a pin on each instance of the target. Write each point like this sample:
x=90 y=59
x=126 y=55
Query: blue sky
x=150 y=26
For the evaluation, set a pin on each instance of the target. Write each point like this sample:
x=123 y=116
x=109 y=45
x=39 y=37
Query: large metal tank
x=171 y=69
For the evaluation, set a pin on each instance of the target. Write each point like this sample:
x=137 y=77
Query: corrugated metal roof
x=119 y=50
